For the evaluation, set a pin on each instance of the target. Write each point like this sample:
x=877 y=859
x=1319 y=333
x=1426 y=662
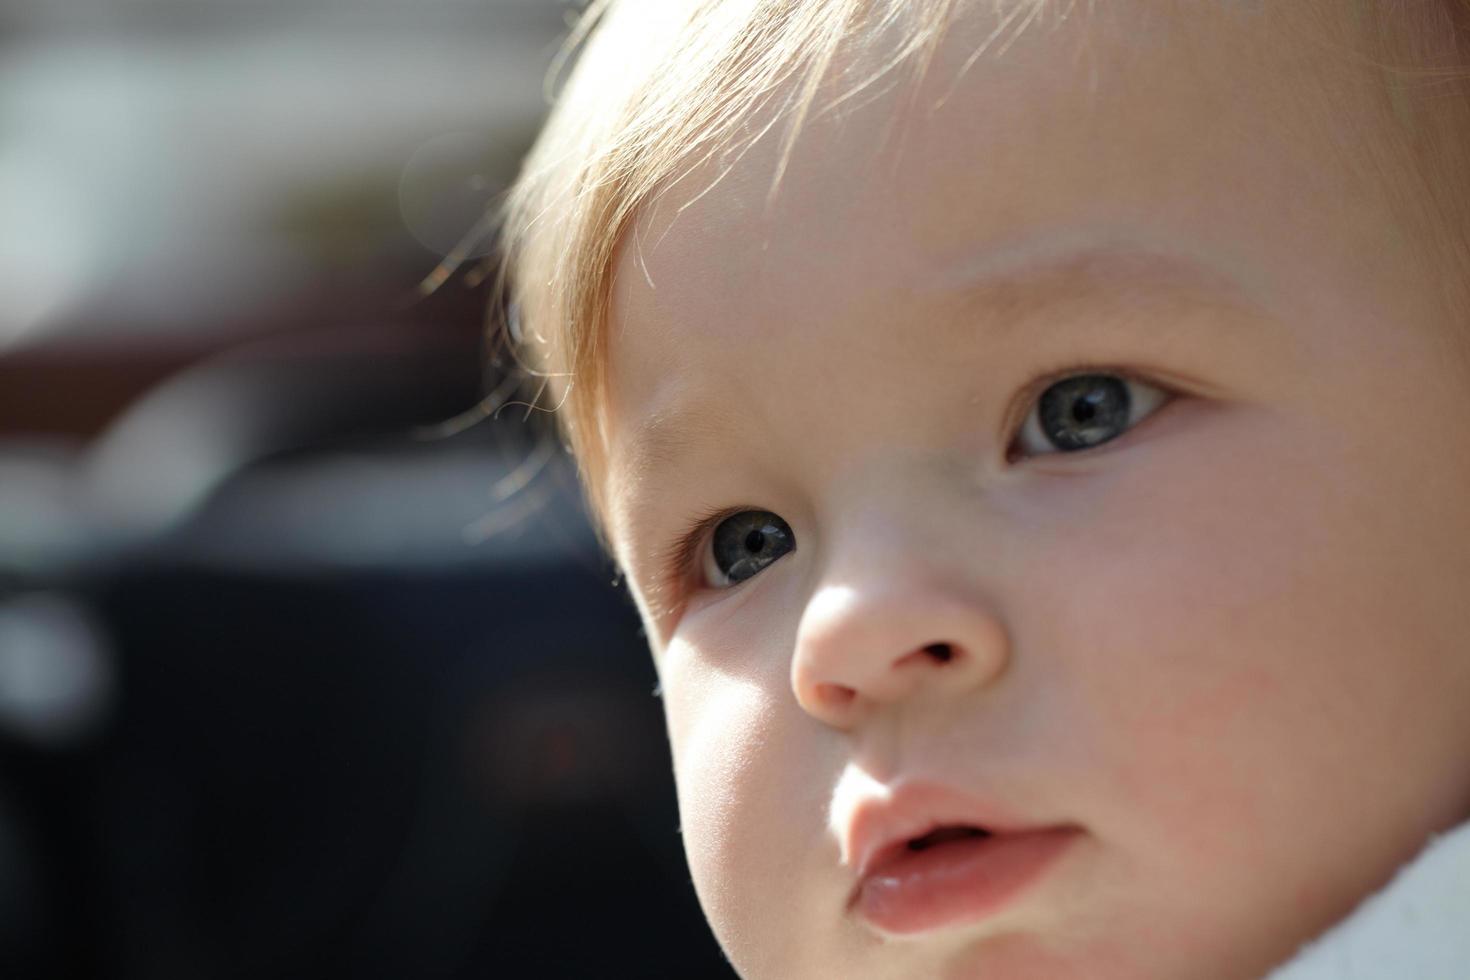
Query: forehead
x=1134 y=126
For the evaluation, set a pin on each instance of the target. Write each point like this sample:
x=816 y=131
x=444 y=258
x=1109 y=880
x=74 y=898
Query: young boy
x=1033 y=433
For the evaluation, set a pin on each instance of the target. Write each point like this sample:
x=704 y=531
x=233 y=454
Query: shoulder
x=1417 y=927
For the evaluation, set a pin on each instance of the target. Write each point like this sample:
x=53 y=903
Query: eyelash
x=680 y=560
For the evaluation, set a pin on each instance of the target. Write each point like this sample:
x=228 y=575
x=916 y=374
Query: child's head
x=1020 y=415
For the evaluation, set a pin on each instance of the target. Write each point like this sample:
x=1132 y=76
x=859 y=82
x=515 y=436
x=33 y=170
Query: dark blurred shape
x=172 y=449
x=56 y=671
x=295 y=679
x=265 y=732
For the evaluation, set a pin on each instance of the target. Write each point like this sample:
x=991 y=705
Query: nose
x=863 y=645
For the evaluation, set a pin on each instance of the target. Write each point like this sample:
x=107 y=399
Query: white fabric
x=1416 y=928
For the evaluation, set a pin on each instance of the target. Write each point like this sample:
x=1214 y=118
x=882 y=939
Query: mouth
x=900 y=853
x=954 y=875
x=944 y=835
x=924 y=862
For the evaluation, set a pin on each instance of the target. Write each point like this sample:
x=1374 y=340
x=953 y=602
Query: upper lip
x=879 y=826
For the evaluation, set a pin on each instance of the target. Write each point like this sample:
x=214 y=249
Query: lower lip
x=957 y=882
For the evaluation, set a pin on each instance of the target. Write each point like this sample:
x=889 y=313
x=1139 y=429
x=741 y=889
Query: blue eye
x=744 y=544
x=1083 y=411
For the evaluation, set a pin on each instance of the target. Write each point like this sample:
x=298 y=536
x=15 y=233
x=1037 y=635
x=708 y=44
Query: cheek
x=1245 y=581
x=717 y=733
x=1246 y=673
x=751 y=793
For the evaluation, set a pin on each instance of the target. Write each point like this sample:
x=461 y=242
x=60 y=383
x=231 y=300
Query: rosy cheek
x=1194 y=761
x=718 y=729
x=753 y=784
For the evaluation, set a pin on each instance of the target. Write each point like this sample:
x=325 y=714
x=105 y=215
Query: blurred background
x=299 y=674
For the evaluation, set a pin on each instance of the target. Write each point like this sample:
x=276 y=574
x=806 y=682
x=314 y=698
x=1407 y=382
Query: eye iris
x=749 y=541
x=1084 y=411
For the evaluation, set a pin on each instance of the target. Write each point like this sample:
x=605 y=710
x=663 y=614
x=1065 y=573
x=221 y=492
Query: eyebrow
x=1082 y=255
x=1001 y=289
x=667 y=435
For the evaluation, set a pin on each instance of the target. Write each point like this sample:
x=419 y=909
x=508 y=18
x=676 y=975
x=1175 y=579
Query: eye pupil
x=755 y=541
x=1085 y=410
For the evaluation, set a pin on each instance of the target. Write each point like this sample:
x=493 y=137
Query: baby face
x=1048 y=511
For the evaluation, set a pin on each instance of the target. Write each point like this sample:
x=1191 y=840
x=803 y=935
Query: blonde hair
x=627 y=127
x=664 y=87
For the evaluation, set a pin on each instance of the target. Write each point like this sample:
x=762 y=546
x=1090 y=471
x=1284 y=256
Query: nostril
x=835 y=695
x=940 y=652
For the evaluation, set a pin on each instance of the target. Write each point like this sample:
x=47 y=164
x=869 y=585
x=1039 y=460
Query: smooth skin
x=1229 y=645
